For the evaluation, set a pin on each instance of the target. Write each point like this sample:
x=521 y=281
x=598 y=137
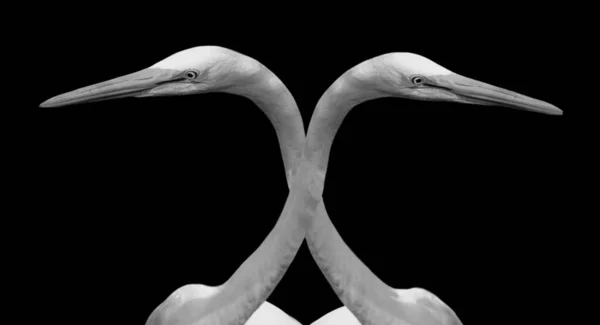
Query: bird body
x=186 y=303
x=338 y=316
x=406 y=75
x=241 y=300
x=268 y=314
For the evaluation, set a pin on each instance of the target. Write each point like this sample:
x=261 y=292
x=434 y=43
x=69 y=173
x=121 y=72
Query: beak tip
x=555 y=110
x=52 y=102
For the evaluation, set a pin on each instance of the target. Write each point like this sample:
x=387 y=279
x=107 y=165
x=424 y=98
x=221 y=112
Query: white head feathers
x=202 y=57
x=411 y=63
x=403 y=63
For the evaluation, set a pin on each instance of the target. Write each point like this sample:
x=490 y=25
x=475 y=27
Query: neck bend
x=255 y=279
x=354 y=283
x=344 y=94
x=269 y=93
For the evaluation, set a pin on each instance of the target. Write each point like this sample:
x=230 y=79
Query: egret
x=407 y=75
x=242 y=298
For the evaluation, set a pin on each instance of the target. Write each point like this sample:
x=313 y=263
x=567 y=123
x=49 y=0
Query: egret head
x=195 y=70
x=413 y=76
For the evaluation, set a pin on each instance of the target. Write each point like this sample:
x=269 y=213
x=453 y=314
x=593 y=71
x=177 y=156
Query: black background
x=128 y=200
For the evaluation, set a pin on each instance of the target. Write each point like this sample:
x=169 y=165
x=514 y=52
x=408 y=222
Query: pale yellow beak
x=471 y=91
x=132 y=85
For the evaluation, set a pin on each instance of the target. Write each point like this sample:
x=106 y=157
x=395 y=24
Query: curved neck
x=251 y=284
x=255 y=279
x=331 y=109
x=354 y=283
x=267 y=91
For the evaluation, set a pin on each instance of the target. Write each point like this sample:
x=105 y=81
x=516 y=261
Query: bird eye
x=417 y=80
x=191 y=74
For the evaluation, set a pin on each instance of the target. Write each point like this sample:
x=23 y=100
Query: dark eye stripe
x=432 y=85
x=170 y=81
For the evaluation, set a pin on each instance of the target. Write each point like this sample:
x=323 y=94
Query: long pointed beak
x=131 y=85
x=477 y=92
